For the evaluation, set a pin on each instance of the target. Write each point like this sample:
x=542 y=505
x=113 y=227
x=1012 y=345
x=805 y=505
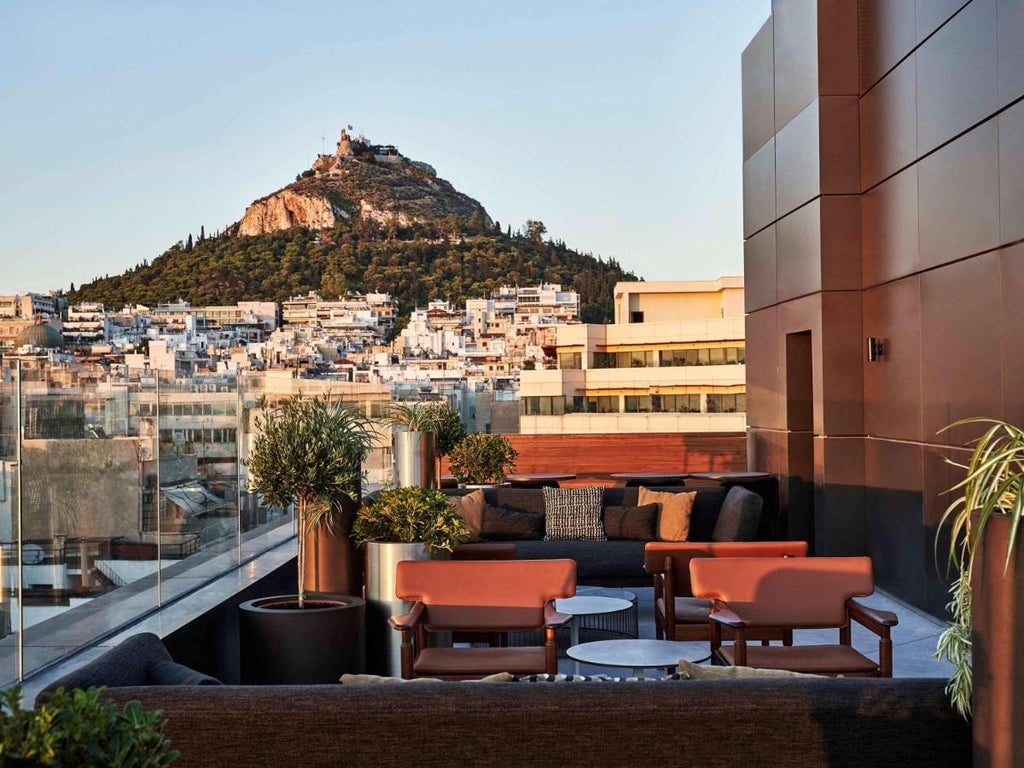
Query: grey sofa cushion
x=739 y=517
x=596 y=561
x=172 y=673
x=631 y=523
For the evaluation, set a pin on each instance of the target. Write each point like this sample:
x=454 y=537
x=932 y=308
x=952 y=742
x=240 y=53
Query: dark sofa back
x=702 y=520
x=706 y=723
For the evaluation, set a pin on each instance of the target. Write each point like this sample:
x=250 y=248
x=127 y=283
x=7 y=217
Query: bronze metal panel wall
x=764 y=389
x=840 y=242
x=796 y=58
x=888 y=34
x=932 y=14
x=837 y=48
x=839 y=510
x=956 y=75
x=958 y=199
x=839 y=131
x=1010 y=23
x=960 y=329
x=759 y=189
x=888 y=125
x=841 y=356
x=758 y=77
x=900 y=545
x=1011 y=173
x=797 y=168
x=889 y=229
x=892 y=388
x=798 y=255
x=1011 y=262
x=759 y=268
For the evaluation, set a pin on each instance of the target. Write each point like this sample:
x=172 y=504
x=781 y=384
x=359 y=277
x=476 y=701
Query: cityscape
x=669 y=347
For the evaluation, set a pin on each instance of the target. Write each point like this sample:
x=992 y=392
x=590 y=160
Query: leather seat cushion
x=813 y=659
x=482 y=661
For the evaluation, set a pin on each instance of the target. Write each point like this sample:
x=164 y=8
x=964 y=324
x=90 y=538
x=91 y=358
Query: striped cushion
x=573 y=514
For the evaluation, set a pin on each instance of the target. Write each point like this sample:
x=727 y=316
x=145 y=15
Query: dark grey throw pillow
x=503 y=524
x=631 y=523
x=740 y=516
x=173 y=673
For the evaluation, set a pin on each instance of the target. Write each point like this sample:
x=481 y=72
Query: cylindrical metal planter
x=415 y=460
x=383 y=644
x=281 y=644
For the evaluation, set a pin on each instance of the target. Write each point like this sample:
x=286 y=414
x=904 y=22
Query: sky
x=125 y=126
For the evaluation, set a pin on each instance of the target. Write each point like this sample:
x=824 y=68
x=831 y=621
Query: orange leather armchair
x=480 y=596
x=750 y=594
x=678 y=615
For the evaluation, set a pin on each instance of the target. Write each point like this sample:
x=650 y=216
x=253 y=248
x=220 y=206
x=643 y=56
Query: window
x=736 y=403
x=603 y=360
x=638 y=403
x=570 y=361
x=717 y=355
x=636 y=316
x=675 y=403
x=603 y=404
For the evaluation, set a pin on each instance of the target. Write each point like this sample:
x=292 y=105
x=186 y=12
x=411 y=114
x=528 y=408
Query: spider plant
x=993 y=485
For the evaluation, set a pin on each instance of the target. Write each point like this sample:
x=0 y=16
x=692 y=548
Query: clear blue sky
x=126 y=125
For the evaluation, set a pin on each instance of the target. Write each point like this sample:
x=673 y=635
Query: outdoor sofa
x=721 y=723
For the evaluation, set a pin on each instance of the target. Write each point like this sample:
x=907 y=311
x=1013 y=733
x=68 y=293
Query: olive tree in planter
x=482 y=459
x=408 y=523
x=983 y=639
x=308 y=451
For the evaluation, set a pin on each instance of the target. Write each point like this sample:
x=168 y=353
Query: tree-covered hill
x=452 y=258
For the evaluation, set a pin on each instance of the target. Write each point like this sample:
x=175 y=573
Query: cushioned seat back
x=682 y=553
x=485 y=594
x=789 y=592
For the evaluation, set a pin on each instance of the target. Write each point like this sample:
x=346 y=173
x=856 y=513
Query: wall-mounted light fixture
x=876 y=349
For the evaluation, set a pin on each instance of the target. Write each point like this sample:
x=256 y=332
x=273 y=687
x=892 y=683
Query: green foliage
x=310 y=452
x=435 y=416
x=448 y=427
x=415 y=264
x=993 y=485
x=413 y=514
x=482 y=459
x=77 y=728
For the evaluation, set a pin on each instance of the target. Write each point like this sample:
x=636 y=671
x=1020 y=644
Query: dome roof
x=41 y=336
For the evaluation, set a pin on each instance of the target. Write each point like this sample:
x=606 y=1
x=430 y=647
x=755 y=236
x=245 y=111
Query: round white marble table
x=634 y=654
x=588 y=605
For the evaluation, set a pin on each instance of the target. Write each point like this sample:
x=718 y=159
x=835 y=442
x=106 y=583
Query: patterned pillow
x=590 y=679
x=573 y=514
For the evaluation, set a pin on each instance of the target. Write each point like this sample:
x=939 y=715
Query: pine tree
x=188 y=243
x=202 y=233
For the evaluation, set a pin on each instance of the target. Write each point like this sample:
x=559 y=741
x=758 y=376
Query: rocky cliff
x=369 y=181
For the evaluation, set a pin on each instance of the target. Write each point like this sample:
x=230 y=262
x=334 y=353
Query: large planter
x=997 y=650
x=283 y=645
x=333 y=564
x=415 y=459
x=384 y=643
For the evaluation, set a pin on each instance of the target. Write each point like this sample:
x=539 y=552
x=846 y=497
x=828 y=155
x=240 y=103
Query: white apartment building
x=674 y=361
x=87 y=323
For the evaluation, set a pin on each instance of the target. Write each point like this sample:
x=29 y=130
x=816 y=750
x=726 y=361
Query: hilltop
x=364 y=218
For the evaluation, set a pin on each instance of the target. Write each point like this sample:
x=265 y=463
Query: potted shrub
x=984 y=525
x=482 y=459
x=80 y=729
x=413 y=444
x=408 y=523
x=308 y=452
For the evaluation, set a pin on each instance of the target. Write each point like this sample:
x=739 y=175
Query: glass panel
x=717 y=355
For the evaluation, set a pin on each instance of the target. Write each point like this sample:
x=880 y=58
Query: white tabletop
x=588 y=605
x=637 y=654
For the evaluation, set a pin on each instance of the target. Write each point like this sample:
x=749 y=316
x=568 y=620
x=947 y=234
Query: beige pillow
x=674 y=519
x=693 y=671
x=471 y=507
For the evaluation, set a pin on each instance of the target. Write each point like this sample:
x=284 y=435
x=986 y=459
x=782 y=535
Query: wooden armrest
x=553 y=619
x=408 y=620
x=872 y=618
x=723 y=614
